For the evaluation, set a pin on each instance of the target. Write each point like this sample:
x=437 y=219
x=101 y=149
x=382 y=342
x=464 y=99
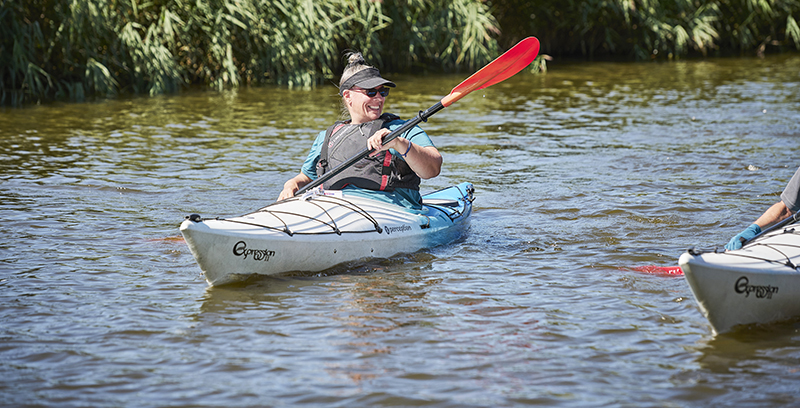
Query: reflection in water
x=749 y=348
x=763 y=355
x=580 y=174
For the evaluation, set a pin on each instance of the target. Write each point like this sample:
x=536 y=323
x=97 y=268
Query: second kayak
x=759 y=283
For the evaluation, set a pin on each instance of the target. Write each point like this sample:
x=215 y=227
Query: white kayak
x=759 y=283
x=318 y=231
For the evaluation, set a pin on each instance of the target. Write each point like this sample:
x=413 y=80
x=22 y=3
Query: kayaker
x=783 y=209
x=393 y=173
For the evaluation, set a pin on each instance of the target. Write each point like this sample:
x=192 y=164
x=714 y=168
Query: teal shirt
x=404 y=197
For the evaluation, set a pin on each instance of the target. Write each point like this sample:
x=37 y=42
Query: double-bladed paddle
x=502 y=68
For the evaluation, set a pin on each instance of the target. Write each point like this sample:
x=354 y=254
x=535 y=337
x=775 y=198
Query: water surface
x=580 y=174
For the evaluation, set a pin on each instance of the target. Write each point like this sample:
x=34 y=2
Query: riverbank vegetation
x=74 y=49
x=650 y=29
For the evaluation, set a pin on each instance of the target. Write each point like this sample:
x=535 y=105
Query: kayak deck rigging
x=783 y=258
x=326 y=204
x=330 y=221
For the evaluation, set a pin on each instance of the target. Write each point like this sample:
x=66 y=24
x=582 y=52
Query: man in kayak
x=393 y=173
x=789 y=204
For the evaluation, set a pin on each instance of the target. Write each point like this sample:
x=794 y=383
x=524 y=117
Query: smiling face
x=362 y=108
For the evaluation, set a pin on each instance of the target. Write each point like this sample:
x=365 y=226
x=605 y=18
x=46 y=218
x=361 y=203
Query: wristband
x=407 y=150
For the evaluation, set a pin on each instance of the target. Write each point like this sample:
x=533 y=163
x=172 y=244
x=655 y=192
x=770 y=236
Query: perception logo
x=392 y=230
x=762 y=292
x=240 y=249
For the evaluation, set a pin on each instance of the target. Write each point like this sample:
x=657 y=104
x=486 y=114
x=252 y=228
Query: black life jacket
x=383 y=172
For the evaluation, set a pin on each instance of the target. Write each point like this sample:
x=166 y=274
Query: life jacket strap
x=386 y=170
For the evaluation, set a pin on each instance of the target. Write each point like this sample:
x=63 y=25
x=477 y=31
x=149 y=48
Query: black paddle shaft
x=422 y=117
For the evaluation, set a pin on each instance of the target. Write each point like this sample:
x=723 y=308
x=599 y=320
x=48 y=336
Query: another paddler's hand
x=375 y=142
x=746 y=235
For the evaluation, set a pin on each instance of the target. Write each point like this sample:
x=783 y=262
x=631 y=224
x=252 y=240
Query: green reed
x=649 y=29
x=76 y=49
x=80 y=48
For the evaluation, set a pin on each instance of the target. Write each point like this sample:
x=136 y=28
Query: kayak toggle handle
x=427 y=223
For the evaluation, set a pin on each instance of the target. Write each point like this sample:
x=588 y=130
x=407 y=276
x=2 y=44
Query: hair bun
x=355 y=58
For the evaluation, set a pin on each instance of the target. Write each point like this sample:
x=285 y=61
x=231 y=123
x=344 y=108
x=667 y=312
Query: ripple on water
x=581 y=175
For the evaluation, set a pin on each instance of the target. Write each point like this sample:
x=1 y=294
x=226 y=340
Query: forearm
x=776 y=213
x=425 y=161
x=292 y=185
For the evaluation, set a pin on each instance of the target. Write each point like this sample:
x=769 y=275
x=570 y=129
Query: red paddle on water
x=676 y=270
x=659 y=270
x=502 y=68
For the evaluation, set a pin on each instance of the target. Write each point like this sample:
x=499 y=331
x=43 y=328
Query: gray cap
x=366 y=79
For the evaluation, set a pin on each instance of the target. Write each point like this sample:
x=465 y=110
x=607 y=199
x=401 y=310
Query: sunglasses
x=372 y=92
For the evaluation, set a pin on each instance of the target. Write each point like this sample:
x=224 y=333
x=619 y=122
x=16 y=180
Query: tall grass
x=444 y=34
x=80 y=48
x=75 y=49
x=646 y=29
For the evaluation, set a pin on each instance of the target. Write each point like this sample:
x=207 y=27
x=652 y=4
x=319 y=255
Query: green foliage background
x=647 y=29
x=74 y=49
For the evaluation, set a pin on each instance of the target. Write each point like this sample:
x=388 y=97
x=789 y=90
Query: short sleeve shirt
x=791 y=194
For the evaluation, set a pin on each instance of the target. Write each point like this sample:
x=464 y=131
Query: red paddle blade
x=502 y=68
x=659 y=270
